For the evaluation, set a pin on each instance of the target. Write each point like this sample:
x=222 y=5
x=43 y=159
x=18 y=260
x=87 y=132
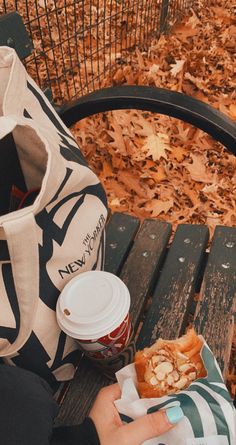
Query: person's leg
x=27 y=408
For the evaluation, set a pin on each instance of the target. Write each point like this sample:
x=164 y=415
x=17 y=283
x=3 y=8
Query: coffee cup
x=93 y=308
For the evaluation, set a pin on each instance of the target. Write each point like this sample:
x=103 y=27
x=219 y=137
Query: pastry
x=169 y=366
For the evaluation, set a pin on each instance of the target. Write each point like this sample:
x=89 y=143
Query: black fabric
x=10 y=172
x=28 y=410
x=83 y=434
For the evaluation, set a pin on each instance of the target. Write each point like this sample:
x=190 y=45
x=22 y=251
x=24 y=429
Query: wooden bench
x=164 y=279
x=170 y=277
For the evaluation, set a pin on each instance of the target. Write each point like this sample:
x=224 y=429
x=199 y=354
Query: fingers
x=109 y=426
x=113 y=392
x=104 y=408
x=109 y=393
x=152 y=425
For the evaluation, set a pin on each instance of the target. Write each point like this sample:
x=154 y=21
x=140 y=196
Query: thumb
x=152 y=425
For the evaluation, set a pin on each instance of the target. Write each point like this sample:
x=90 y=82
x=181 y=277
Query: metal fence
x=78 y=43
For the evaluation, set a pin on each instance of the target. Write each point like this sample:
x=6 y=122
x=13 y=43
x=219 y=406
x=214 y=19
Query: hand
x=110 y=429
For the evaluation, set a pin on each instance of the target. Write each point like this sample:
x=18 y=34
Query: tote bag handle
x=22 y=240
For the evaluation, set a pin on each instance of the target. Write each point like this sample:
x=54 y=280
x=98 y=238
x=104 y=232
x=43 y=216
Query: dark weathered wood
x=81 y=394
x=172 y=297
x=120 y=232
x=143 y=262
x=215 y=310
x=13 y=33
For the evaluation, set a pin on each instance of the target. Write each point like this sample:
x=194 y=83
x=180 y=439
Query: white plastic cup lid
x=92 y=305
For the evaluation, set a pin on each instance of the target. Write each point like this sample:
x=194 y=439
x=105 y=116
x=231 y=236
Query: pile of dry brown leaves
x=159 y=167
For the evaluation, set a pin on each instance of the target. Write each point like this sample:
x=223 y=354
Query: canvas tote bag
x=47 y=243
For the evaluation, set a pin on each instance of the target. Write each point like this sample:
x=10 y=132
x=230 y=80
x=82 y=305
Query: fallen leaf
x=114 y=202
x=154 y=69
x=156 y=207
x=41 y=3
x=157 y=175
x=140 y=59
x=178 y=153
x=177 y=67
x=132 y=182
x=156 y=146
x=118 y=189
x=118 y=77
x=141 y=126
x=184 y=31
x=199 y=83
x=183 y=131
x=117 y=137
x=232 y=111
x=149 y=164
x=192 y=195
x=117 y=161
x=212 y=188
x=193 y=21
x=107 y=170
x=198 y=170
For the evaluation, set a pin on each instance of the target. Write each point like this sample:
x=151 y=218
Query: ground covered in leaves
x=159 y=167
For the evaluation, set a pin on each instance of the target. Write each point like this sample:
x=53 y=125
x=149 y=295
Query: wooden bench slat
x=120 y=232
x=143 y=263
x=81 y=394
x=215 y=310
x=176 y=286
